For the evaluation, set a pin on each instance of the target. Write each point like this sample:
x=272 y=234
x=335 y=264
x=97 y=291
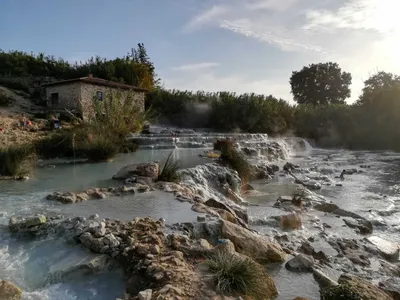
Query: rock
x=300 y=263
x=322 y=279
x=362 y=225
x=155 y=249
x=204 y=244
x=326 y=207
x=391 y=287
x=145 y=295
x=300 y=298
x=388 y=250
x=79 y=264
x=142 y=169
x=19 y=224
x=65 y=198
x=142 y=188
x=365 y=289
x=201 y=219
x=292 y=221
x=246 y=242
x=9 y=291
x=237 y=212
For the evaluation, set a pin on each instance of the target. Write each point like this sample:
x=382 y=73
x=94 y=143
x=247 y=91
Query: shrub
x=117 y=115
x=340 y=292
x=4 y=99
x=16 y=160
x=15 y=84
x=233 y=158
x=169 y=171
x=233 y=274
x=58 y=144
x=99 y=148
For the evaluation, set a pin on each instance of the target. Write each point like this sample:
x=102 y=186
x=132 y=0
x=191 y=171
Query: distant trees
x=323 y=83
x=135 y=68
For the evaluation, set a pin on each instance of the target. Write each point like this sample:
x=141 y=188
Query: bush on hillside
x=237 y=275
x=16 y=160
x=169 y=171
x=233 y=158
x=4 y=99
x=15 y=83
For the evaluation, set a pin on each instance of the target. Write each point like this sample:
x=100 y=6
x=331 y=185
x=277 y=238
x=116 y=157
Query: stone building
x=77 y=95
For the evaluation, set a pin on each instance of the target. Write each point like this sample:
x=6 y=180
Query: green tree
x=377 y=83
x=323 y=83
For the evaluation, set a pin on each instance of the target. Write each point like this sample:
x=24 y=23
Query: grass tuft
x=233 y=274
x=342 y=291
x=169 y=171
x=233 y=158
x=16 y=160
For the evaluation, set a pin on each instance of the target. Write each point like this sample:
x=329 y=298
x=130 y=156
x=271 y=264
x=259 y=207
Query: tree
x=323 y=83
x=379 y=82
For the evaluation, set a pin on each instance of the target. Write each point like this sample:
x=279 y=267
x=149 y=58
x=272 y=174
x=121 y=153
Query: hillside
x=11 y=133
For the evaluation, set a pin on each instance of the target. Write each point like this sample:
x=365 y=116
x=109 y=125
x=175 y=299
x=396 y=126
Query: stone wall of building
x=79 y=96
x=69 y=96
x=89 y=94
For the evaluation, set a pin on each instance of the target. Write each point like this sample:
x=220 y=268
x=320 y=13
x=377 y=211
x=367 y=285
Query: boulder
x=249 y=243
x=300 y=263
x=80 y=264
x=9 y=291
x=363 y=226
x=364 y=288
x=236 y=211
x=20 y=224
x=388 y=250
x=142 y=169
x=326 y=207
x=64 y=197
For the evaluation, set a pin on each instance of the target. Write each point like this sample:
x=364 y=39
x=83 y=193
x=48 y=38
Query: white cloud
x=196 y=66
x=277 y=5
x=205 y=17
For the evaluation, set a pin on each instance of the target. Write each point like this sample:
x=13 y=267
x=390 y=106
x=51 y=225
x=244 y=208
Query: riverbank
x=311 y=229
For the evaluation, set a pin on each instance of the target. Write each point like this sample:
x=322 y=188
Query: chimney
x=90 y=76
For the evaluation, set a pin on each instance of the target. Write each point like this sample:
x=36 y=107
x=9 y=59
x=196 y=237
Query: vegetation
x=222 y=111
x=169 y=171
x=340 y=292
x=233 y=158
x=4 y=99
x=99 y=148
x=16 y=160
x=237 y=275
x=116 y=115
x=22 y=71
x=323 y=83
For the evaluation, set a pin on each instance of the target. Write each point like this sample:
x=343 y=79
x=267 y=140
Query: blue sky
x=212 y=45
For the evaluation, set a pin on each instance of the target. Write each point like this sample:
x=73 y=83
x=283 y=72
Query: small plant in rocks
x=169 y=171
x=236 y=275
x=340 y=292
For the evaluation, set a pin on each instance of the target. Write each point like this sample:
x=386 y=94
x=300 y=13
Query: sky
x=214 y=45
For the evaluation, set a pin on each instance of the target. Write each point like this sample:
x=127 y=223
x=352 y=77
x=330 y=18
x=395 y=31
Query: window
x=54 y=99
x=100 y=96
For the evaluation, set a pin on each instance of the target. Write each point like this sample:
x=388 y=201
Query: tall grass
x=238 y=275
x=16 y=160
x=117 y=114
x=169 y=171
x=233 y=158
x=100 y=147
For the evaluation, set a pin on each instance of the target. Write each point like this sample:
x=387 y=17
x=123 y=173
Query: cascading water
x=371 y=193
